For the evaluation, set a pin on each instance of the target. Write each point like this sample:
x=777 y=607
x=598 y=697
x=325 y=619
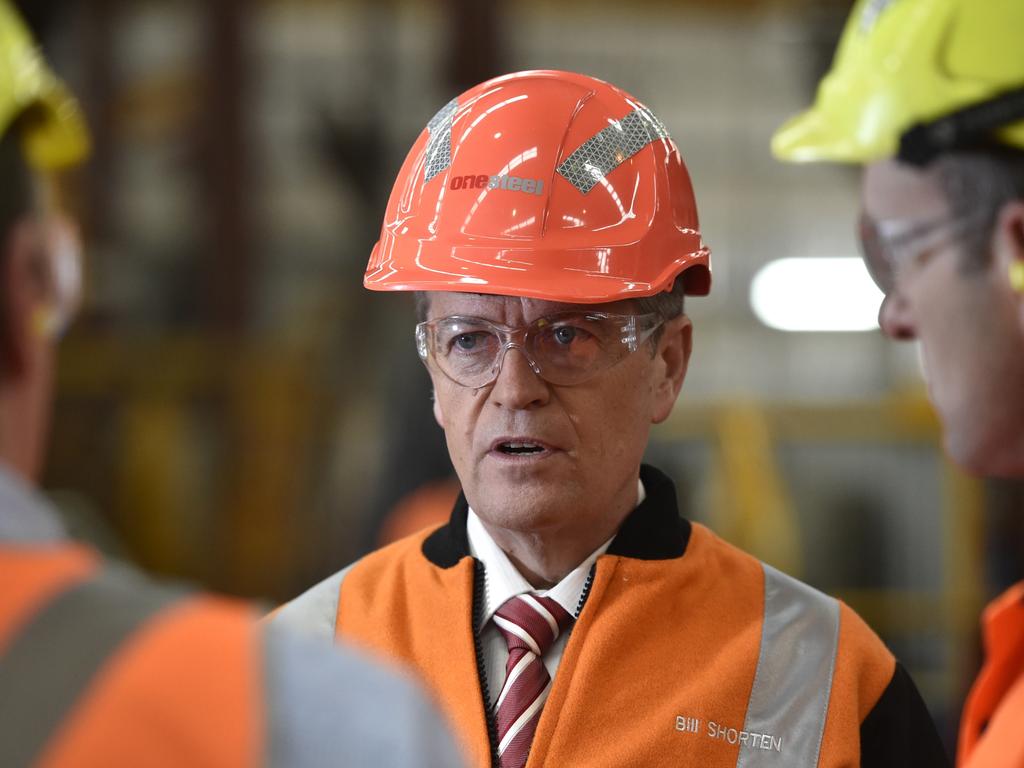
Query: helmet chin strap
x=966 y=127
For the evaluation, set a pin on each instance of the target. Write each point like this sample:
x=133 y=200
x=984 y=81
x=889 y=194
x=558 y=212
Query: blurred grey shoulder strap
x=51 y=661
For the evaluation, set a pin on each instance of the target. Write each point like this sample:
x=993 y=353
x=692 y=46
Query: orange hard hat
x=543 y=184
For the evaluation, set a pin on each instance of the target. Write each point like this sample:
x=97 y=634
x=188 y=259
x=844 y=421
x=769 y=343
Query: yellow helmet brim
x=900 y=64
x=52 y=128
x=812 y=137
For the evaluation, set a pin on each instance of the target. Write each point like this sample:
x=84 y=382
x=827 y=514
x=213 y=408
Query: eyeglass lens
x=562 y=349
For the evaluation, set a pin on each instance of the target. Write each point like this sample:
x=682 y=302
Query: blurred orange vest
x=992 y=727
x=174 y=680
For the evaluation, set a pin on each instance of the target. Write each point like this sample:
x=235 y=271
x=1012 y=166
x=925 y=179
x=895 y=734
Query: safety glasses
x=563 y=349
x=891 y=246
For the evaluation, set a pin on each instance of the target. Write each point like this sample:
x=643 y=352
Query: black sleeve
x=899 y=731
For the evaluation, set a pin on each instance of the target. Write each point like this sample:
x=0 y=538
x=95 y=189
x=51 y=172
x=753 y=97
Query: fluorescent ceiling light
x=812 y=294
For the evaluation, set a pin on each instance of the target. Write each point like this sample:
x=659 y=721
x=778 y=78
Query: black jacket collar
x=652 y=531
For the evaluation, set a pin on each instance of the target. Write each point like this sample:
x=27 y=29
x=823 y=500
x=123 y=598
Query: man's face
x=592 y=435
x=966 y=321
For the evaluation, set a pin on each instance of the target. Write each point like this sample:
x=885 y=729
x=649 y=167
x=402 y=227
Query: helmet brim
x=506 y=272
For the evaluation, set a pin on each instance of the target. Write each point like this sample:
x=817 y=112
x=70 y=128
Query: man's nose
x=517 y=385
x=895 y=318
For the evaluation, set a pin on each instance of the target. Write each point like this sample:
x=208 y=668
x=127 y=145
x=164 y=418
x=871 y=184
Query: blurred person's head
x=41 y=132
x=548 y=225
x=929 y=97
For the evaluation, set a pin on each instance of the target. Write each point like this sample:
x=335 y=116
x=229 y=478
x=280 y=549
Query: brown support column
x=98 y=20
x=225 y=171
x=476 y=46
x=225 y=273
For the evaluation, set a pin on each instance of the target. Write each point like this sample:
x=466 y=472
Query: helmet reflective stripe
x=439 y=147
x=606 y=151
x=872 y=12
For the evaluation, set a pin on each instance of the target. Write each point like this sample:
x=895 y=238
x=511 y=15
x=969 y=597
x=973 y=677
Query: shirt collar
x=503 y=580
x=652 y=531
x=25 y=516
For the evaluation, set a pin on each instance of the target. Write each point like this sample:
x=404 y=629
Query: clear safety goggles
x=891 y=246
x=563 y=349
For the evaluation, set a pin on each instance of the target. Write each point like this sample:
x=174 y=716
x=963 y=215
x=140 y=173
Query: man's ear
x=438 y=415
x=22 y=296
x=1008 y=252
x=671 y=362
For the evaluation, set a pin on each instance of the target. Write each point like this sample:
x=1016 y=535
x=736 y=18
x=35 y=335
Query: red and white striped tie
x=530 y=624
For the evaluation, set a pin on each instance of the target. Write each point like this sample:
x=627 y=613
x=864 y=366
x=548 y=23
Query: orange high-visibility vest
x=100 y=668
x=685 y=652
x=992 y=726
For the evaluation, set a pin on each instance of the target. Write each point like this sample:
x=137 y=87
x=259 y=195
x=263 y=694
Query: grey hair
x=666 y=305
x=979 y=182
x=422 y=305
x=17 y=191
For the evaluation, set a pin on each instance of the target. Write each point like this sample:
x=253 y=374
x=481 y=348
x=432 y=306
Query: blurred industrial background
x=234 y=409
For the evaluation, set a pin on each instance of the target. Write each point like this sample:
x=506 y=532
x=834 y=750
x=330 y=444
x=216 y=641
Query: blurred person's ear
x=24 y=295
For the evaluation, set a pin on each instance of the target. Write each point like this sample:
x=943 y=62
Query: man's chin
x=969 y=447
x=983 y=455
x=524 y=506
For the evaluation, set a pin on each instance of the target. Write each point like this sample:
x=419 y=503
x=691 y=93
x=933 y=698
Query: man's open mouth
x=519 y=448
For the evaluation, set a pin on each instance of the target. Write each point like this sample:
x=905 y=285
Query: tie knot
x=531 y=622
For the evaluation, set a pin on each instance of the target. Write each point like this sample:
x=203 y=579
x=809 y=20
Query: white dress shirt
x=502 y=581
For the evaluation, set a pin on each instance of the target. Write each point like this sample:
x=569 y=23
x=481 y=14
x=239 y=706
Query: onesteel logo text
x=504 y=181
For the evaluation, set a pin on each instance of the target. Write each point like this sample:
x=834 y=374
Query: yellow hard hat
x=53 y=131
x=902 y=63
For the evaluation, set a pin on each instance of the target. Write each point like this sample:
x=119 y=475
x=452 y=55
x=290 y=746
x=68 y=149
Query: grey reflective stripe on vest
x=789 y=701
x=314 y=613
x=51 y=661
